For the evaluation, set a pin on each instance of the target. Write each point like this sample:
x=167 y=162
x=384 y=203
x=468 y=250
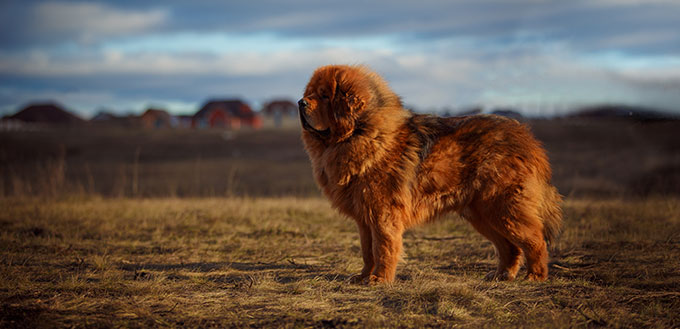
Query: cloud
x=649 y=27
x=640 y=39
x=41 y=65
x=632 y=2
x=434 y=53
x=88 y=22
x=555 y=76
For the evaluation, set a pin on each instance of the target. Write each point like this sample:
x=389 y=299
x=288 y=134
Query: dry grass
x=154 y=163
x=238 y=262
x=94 y=232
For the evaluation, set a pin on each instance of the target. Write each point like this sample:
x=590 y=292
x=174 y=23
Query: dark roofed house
x=155 y=118
x=622 y=112
x=102 y=116
x=282 y=106
x=228 y=114
x=508 y=113
x=110 y=119
x=47 y=113
x=184 y=121
x=278 y=109
x=470 y=111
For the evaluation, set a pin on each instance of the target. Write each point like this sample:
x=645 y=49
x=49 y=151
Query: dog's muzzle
x=302 y=105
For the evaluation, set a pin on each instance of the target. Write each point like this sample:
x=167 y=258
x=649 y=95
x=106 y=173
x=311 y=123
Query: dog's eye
x=324 y=96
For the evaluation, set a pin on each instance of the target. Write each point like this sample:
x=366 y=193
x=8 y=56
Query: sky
x=541 y=57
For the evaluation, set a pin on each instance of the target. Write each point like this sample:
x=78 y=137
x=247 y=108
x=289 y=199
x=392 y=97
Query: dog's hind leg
x=509 y=255
x=535 y=249
x=523 y=228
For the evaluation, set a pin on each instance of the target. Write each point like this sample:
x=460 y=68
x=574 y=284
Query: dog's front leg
x=366 y=252
x=387 y=244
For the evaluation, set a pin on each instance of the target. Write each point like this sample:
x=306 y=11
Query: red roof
x=235 y=108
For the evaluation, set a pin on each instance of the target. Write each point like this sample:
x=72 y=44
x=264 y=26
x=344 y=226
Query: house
x=622 y=112
x=110 y=119
x=103 y=116
x=228 y=114
x=279 y=109
x=184 y=121
x=508 y=113
x=283 y=107
x=7 y=124
x=469 y=111
x=156 y=118
x=46 y=113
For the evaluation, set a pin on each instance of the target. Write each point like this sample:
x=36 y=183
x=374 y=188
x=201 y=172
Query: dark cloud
x=439 y=53
x=588 y=25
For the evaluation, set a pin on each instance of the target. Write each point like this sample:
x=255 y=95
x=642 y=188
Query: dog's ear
x=355 y=103
x=347 y=104
x=347 y=93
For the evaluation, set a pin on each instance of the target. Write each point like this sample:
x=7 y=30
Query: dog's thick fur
x=390 y=169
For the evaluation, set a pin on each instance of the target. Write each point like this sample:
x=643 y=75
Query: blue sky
x=544 y=57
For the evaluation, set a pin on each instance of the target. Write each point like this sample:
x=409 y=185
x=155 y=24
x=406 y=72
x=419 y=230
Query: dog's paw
x=367 y=279
x=499 y=276
x=373 y=280
x=538 y=277
x=358 y=279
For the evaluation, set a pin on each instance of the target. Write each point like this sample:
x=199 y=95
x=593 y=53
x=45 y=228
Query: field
x=120 y=228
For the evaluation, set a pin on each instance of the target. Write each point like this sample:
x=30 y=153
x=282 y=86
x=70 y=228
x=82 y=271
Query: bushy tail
x=551 y=213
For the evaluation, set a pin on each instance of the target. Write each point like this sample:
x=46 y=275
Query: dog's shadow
x=246 y=273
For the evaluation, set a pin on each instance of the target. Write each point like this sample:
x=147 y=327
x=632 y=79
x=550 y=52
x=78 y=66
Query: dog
x=390 y=169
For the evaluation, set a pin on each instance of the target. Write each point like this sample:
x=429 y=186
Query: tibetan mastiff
x=390 y=169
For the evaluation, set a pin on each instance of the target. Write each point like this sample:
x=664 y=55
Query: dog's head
x=334 y=98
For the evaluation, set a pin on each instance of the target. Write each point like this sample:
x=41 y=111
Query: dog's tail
x=551 y=213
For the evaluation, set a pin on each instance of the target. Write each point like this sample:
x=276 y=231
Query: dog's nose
x=302 y=104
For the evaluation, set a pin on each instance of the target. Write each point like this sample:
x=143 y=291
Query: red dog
x=390 y=169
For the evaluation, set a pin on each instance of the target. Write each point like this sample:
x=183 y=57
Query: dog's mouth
x=321 y=133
